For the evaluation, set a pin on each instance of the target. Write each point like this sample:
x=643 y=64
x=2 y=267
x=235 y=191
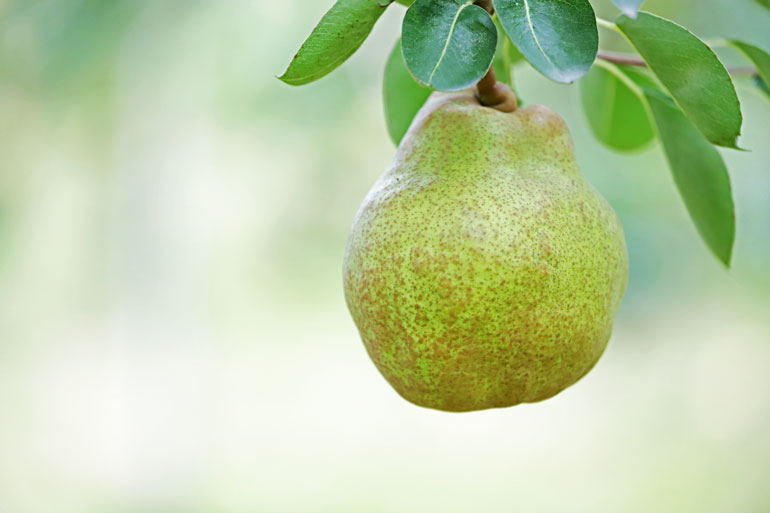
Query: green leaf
x=402 y=95
x=502 y=66
x=691 y=72
x=761 y=85
x=628 y=7
x=448 y=44
x=764 y=3
x=700 y=175
x=506 y=55
x=758 y=56
x=697 y=167
x=617 y=116
x=558 y=37
x=337 y=36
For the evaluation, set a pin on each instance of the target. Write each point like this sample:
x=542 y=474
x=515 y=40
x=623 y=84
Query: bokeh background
x=173 y=334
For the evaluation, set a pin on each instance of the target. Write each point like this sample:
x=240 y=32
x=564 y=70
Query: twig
x=632 y=59
x=621 y=58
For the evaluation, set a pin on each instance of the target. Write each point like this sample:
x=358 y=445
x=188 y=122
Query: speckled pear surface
x=482 y=270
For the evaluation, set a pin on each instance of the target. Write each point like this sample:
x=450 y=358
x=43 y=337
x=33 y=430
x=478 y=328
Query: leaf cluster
x=674 y=89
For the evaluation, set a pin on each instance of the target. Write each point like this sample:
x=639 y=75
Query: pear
x=482 y=270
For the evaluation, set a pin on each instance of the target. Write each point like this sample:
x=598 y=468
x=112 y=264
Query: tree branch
x=621 y=58
x=631 y=59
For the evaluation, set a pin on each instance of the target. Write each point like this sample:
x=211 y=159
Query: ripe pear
x=482 y=270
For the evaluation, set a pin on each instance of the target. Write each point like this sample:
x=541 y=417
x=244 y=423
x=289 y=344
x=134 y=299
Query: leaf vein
x=448 y=40
x=534 y=35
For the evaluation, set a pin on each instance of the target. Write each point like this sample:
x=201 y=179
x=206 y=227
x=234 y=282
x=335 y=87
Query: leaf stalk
x=607 y=24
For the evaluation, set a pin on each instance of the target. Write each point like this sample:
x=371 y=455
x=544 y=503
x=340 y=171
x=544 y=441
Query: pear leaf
x=506 y=55
x=758 y=56
x=616 y=115
x=697 y=167
x=402 y=96
x=700 y=175
x=502 y=66
x=558 y=37
x=448 y=44
x=762 y=85
x=628 y=7
x=691 y=72
x=337 y=36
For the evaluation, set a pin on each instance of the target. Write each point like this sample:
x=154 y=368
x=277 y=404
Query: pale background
x=173 y=335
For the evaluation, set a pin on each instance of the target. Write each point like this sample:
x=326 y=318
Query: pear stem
x=486 y=5
x=494 y=94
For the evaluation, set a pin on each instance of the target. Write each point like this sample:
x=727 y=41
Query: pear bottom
x=482 y=269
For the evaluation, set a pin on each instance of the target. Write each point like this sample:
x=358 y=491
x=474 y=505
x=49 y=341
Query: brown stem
x=487 y=5
x=631 y=59
x=743 y=70
x=621 y=58
x=494 y=94
x=487 y=83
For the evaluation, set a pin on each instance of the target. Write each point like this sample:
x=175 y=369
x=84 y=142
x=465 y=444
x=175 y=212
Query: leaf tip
x=725 y=254
x=730 y=144
x=292 y=81
x=727 y=258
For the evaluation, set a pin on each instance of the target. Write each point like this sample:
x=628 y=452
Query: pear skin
x=482 y=270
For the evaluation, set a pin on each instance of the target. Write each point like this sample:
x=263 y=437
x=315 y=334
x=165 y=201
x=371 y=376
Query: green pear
x=482 y=269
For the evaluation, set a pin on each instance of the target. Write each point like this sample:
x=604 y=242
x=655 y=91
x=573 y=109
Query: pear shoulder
x=455 y=128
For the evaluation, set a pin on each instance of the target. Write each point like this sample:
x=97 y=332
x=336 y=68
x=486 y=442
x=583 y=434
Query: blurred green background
x=173 y=335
